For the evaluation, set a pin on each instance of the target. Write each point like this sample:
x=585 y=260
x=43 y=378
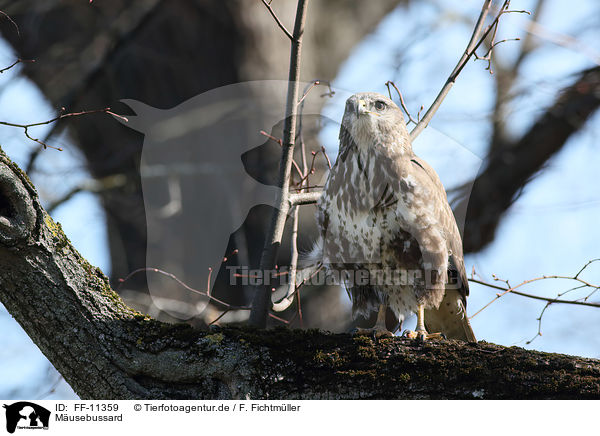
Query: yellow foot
x=422 y=335
x=375 y=332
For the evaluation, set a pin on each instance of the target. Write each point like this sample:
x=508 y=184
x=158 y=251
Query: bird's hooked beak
x=361 y=107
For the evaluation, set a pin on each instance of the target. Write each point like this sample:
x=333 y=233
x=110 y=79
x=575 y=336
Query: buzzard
x=386 y=229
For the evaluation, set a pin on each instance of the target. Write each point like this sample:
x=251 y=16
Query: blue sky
x=551 y=229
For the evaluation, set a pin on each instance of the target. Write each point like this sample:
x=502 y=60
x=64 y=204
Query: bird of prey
x=386 y=229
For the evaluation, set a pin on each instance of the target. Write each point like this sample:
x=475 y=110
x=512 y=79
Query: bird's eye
x=380 y=105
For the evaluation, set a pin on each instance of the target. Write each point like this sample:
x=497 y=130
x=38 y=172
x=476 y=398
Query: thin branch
x=528 y=44
x=272 y=138
x=539 y=320
x=307 y=173
x=286 y=301
x=314 y=200
x=304 y=186
x=314 y=83
x=459 y=66
x=299 y=308
x=181 y=283
x=476 y=40
x=228 y=307
x=513 y=290
x=276 y=318
x=18 y=61
x=280 y=142
x=262 y=298
x=326 y=157
x=277 y=20
x=214 y=321
x=488 y=54
x=410 y=118
x=62 y=115
x=583 y=268
x=8 y=17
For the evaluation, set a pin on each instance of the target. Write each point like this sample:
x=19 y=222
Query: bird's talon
x=421 y=336
x=409 y=334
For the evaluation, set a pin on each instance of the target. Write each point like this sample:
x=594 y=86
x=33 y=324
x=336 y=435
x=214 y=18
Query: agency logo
x=27 y=416
x=196 y=185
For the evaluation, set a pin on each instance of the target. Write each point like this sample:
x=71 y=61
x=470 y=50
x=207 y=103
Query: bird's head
x=373 y=119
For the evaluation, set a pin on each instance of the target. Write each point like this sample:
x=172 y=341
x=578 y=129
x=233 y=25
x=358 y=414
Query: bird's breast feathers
x=368 y=203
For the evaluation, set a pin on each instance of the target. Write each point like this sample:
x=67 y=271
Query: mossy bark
x=105 y=350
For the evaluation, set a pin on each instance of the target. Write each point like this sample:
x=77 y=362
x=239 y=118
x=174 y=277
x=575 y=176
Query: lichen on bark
x=106 y=350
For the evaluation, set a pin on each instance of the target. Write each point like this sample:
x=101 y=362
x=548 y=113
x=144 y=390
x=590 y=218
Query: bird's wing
x=456 y=266
x=451 y=317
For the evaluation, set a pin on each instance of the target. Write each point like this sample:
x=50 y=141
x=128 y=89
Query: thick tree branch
x=105 y=350
x=511 y=167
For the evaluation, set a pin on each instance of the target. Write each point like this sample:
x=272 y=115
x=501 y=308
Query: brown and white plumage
x=384 y=215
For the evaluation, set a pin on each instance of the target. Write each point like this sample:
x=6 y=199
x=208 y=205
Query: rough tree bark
x=106 y=350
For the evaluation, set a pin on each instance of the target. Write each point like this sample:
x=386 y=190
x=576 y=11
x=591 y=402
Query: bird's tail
x=313 y=257
x=450 y=318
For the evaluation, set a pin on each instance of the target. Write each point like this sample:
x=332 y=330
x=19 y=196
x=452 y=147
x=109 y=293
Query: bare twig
x=221 y=315
x=307 y=173
x=535 y=297
x=5 y=15
x=62 y=115
x=304 y=186
x=299 y=308
x=18 y=61
x=549 y=301
x=410 y=118
x=181 y=283
x=280 y=142
x=539 y=320
x=513 y=289
x=262 y=297
x=277 y=20
x=584 y=267
x=287 y=300
x=316 y=82
x=326 y=157
x=228 y=307
x=276 y=318
x=479 y=35
x=314 y=200
x=528 y=44
x=488 y=55
x=272 y=138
